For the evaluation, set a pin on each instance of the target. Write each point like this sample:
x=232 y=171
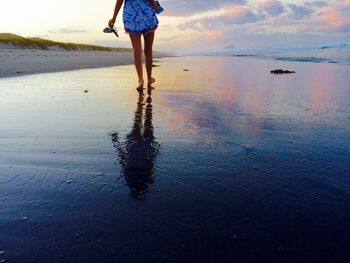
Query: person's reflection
x=137 y=153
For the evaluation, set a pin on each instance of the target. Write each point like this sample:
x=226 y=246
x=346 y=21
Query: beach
x=18 y=62
x=221 y=162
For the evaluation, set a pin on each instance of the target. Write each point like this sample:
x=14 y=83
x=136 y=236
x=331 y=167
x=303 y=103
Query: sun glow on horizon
x=207 y=25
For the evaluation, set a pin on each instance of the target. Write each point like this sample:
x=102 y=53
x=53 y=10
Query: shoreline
x=16 y=63
x=21 y=62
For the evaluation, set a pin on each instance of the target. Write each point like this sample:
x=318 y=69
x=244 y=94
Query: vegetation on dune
x=44 y=44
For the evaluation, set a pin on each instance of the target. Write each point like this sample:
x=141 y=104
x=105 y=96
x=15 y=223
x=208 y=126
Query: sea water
x=222 y=162
x=337 y=53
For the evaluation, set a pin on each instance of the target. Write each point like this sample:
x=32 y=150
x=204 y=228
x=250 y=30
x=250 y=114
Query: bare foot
x=150 y=82
x=140 y=87
x=139 y=90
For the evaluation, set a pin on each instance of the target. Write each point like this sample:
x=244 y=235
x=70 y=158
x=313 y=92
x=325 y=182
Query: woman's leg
x=149 y=37
x=137 y=47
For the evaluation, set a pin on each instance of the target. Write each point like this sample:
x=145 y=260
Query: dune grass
x=44 y=44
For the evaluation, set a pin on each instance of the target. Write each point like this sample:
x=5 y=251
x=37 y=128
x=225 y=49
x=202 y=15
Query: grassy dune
x=44 y=44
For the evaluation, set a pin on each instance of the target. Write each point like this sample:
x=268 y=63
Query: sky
x=186 y=25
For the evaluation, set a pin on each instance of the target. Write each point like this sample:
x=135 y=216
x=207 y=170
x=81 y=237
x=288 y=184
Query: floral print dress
x=139 y=17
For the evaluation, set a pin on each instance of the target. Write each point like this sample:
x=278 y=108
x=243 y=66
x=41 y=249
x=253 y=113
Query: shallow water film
x=222 y=162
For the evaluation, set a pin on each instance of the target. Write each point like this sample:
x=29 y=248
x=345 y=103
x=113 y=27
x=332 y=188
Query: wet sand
x=224 y=162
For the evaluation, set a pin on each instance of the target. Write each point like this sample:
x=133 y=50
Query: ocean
x=338 y=53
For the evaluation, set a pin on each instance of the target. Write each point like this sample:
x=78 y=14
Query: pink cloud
x=337 y=17
x=234 y=15
x=187 y=8
x=265 y=22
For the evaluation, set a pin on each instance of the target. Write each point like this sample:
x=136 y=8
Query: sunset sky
x=187 y=25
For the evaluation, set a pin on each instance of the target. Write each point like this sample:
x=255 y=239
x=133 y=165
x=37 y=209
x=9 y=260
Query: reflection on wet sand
x=137 y=153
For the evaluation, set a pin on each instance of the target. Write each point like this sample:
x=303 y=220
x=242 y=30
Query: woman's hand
x=111 y=22
x=155 y=6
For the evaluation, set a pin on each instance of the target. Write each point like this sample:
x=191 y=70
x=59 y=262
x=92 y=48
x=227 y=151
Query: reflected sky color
x=225 y=158
x=260 y=95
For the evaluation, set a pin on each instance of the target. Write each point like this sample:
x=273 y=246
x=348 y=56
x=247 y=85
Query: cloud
x=190 y=7
x=263 y=22
x=272 y=7
x=230 y=47
x=300 y=12
x=316 y=4
x=336 y=17
x=234 y=15
x=67 y=31
x=238 y=15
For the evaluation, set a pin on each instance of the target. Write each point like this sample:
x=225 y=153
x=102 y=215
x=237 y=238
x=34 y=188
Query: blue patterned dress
x=139 y=16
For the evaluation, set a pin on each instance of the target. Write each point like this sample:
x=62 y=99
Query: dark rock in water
x=281 y=71
x=22 y=71
x=86 y=91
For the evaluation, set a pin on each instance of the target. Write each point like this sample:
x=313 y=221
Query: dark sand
x=227 y=163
